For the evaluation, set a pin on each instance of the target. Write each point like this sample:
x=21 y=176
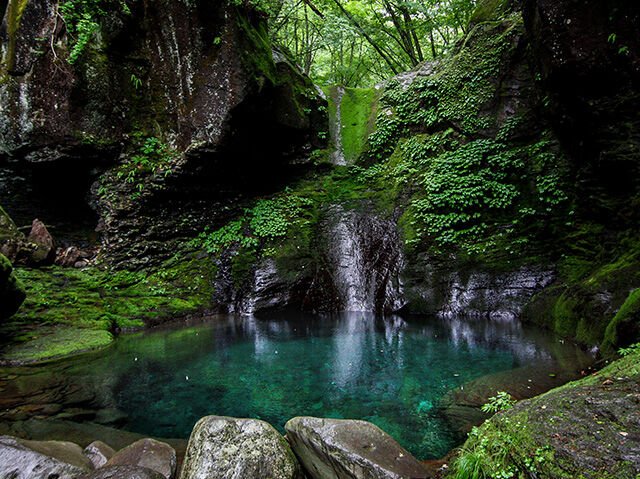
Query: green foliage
x=490 y=456
x=361 y=42
x=268 y=221
x=82 y=19
x=500 y=402
x=149 y=156
x=465 y=192
x=633 y=349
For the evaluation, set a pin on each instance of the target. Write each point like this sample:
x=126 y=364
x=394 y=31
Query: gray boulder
x=147 y=453
x=45 y=251
x=348 y=449
x=230 y=448
x=122 y=472
x=20 y=459
x=99 y=453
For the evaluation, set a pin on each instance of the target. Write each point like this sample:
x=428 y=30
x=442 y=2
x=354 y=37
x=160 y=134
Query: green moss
x=257 y=58
x=519 y=443
x=490 y=10
x=595 y=281
x=357 y=117
x=565 y=315
x=51 y=343
x=15 y=9
x=242 y=265
x=624 y=328
x=12 y=292
x=96 y=300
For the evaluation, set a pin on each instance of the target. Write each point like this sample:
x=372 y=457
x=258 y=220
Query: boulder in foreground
x=147 y=453
x=122 y=472
x=348 y=449
x=98 y=453
x=230 y=448
x=20 y=459
x=12 y=293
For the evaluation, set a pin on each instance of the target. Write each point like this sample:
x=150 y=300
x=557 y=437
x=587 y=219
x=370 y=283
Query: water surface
x=390 y=371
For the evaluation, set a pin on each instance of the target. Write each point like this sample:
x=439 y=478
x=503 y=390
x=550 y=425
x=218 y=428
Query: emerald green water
x=387 y=371
x=390 y=371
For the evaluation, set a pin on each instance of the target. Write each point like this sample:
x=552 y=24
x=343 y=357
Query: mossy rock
x=584 y=429
x=53 y=343
x=490 y=10
x=8 y=229
x=624 y=328
x=12 y=292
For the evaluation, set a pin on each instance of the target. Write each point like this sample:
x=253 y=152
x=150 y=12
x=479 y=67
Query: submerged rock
x=98 y=453
x=20 y=459
x=147 y=453
x=122 y=472
x=348 y=449
x=231 y=448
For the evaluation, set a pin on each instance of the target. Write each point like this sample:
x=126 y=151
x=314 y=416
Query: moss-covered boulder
x=10 y=236
x=12 y=293
x=584 y=429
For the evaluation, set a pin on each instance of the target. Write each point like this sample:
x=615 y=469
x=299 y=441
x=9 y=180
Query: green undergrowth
x=470 y=184
x=521 y=441
x=93 y=301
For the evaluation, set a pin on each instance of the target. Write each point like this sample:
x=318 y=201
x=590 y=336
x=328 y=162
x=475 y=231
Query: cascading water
x=363 y=251
x=364 y=259
x=335 y=129
x=351 y=278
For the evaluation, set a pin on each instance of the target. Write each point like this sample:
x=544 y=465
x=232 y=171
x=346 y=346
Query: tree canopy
x=360 y=42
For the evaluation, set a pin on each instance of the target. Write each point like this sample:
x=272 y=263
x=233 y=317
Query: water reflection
x=389 y=370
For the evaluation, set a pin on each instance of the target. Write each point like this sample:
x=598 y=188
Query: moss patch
x=103 y=301
x=624 y=328
x=55 y=342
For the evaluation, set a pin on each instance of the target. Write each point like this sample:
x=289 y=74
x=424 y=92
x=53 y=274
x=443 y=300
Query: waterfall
x=350 y=274
x=335 y=129
x=364 y=260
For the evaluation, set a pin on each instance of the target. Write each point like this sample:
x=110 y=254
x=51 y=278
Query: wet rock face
x=347 y=449
x=490 y=294
x=587 y=55
x=364 y=259
x=21 y=459
x=230 y=448
x=357 y=269
x=234 y=120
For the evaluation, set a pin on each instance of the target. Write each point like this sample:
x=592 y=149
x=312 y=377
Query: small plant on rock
x=500 y=402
